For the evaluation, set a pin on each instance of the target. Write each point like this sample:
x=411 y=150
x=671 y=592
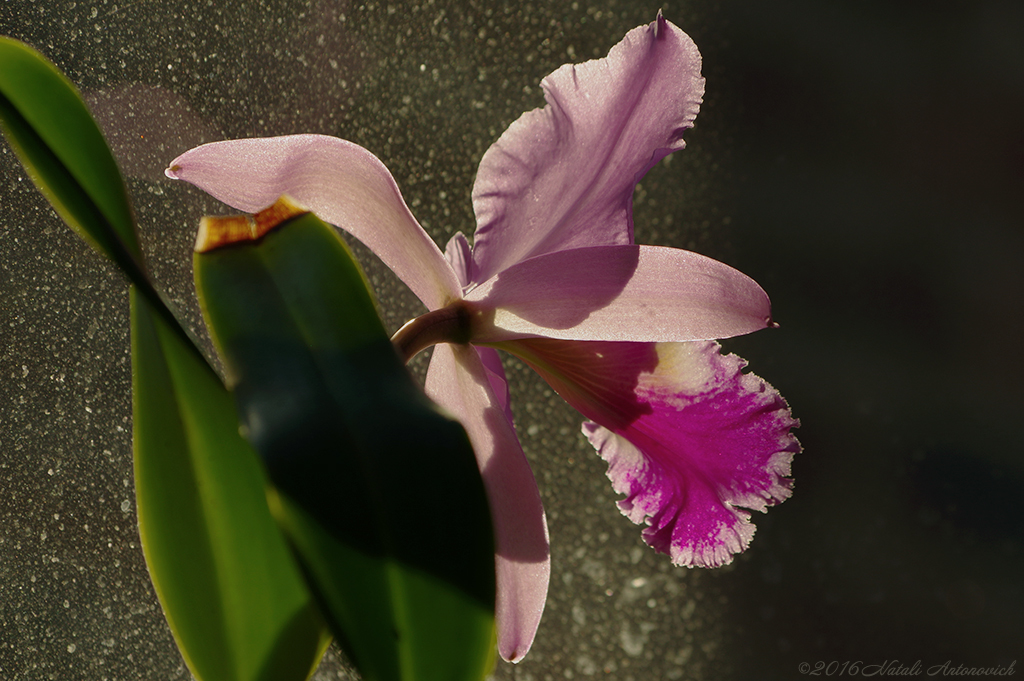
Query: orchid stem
x=450 y=324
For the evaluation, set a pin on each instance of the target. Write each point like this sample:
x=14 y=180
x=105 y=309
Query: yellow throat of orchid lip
x=216 y=232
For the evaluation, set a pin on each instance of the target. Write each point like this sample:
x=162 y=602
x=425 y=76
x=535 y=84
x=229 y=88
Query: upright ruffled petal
x=458 y=380
x=619 y=293
x=689 y=438
x=563 y=176
x=341 y=182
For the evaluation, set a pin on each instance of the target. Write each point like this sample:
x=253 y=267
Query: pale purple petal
x=459 y=255
x=623 y=293
x=459 y=382
x=496 y=377
x=691 y=440
x=563 y=176
x=341 y=182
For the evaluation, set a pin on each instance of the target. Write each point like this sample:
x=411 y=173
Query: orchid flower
x=623 y=332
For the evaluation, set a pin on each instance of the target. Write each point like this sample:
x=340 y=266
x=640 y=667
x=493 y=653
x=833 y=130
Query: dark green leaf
x=378 y=492
x=55 y=137
x=228 y=584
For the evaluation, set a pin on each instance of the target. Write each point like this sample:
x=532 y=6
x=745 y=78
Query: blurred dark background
x=864 y=161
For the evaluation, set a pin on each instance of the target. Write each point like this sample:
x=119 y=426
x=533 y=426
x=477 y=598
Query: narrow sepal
x=341 y=182
x=470 y=387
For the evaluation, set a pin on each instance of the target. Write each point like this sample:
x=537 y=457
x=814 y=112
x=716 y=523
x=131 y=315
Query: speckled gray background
x=863 y=161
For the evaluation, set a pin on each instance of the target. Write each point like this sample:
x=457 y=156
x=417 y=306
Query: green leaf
x=378 y=492
x=229 y=586
x=59 y=143
x=55 y=137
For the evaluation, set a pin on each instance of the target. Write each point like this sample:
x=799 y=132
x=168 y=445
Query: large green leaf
x=378 y=492
x=228 y=584
x=59 y=143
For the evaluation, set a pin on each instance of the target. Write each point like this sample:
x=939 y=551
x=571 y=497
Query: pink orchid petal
x=689 y=439
x=621 y=293
x=498 y=382
x=341 y=182
x=563 y=176
x=459 y=255
x=458 y=380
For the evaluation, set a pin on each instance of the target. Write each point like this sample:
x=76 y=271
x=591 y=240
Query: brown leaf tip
x=216 y=232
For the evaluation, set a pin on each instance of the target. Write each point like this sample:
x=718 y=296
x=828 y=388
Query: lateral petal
x=341 y=182
x=689 y=439
x=619 y=293
x=458 y=380
x=563 y=176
